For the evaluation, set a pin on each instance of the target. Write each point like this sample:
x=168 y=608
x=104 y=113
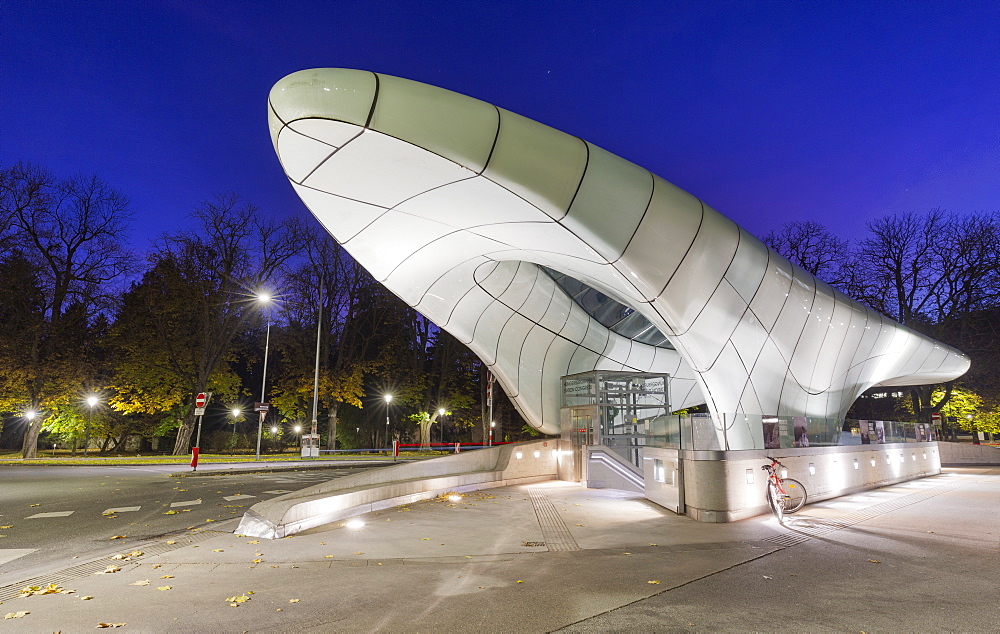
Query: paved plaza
x=917 y=556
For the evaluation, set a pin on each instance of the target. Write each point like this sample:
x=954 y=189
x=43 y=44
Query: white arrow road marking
x=50 y=514
x=188 y=503
x=123 y=509
x=238 y=496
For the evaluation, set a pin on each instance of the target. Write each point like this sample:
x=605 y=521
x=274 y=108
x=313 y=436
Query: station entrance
x=608 y=418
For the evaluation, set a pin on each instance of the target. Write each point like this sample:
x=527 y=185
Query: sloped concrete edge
x=401 y=484
x=955 y=454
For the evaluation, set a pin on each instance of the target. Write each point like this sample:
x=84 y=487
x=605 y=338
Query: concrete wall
x=958 y=454
x=401 y=484
x=725 y=486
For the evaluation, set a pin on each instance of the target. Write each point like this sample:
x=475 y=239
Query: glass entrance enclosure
x=614 y=409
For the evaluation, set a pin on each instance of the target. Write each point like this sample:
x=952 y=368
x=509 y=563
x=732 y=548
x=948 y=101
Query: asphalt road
x=51 y=516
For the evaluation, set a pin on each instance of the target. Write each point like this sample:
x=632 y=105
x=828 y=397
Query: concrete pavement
x=917 y=556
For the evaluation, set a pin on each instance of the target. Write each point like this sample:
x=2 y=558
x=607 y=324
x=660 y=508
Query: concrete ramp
x=400 y=484
x=960 y=454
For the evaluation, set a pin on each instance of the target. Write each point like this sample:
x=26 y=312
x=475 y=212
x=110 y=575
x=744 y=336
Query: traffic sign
x=199 y=411
x=261 y=407
x=201 y=399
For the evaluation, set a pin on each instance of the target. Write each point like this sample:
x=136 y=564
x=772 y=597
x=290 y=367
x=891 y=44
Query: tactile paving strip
x=554 y=531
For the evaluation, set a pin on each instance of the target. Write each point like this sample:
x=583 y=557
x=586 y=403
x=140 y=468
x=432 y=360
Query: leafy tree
x=198 y=298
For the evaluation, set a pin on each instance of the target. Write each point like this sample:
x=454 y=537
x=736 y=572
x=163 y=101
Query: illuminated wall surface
x=549 y=256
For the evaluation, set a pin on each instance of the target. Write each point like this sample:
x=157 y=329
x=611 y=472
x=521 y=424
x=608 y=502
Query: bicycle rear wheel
x=774 y=500
x=795 y=495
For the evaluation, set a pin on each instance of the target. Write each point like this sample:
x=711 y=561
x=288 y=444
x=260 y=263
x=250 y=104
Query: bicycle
x=784 y=495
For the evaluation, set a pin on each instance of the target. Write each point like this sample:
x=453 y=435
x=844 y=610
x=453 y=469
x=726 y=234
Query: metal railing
x=743 y=431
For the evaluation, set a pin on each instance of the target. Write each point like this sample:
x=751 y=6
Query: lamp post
x=264 y=298
x=975 y=433
x=441 y=413
x=315 y=425
x=91 y=401
x=236 y=412
x=388 y=399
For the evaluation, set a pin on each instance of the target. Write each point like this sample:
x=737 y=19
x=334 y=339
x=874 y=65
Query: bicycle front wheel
x=775 y=501
x=795 y=495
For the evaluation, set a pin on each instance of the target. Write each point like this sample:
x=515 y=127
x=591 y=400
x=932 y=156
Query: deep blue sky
x=836 y=112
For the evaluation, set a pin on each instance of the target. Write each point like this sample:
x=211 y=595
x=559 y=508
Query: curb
x=265 y=469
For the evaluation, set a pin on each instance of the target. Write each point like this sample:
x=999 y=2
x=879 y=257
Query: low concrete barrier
x=727 y=486
x=958 y=454
x=401 y=484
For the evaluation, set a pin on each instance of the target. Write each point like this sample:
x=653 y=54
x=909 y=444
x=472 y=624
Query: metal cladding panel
x=452 y=202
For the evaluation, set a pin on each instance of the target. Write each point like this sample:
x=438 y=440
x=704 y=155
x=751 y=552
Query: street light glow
x=91 y=400
x=235 y=412
x=388 y=398
x=441 y=411
x=30 y=414
x=298 y=428
x=274 y=430
x=263 y=297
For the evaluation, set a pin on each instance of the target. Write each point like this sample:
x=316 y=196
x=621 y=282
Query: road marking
x=51 y=514
x=123 y=509
x=238 y=496
x=10 y=554
x=277 y=492
x=188 y=503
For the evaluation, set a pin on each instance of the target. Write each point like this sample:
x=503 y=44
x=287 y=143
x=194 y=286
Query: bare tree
x=813 y=247
x=67 y=236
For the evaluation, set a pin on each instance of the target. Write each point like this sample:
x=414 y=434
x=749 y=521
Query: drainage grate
x=86 y=569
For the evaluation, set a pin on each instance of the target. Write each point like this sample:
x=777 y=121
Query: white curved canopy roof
x=452 y=203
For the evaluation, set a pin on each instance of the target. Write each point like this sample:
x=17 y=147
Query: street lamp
x=91 y=401
x=263 y=298
x=492 y=425
x=388 y=399
x=315 y=425
x=441 y=413
x=236 y=412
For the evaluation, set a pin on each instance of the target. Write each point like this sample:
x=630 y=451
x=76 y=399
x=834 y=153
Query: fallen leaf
x=218 y=550
x=30 y=505
x=581 y=524
x=144 y=582
x=875 y=561
x=164 y=588
x=109 y=570
x=101 y=625
x=279 y=610
x=155 y=566
x=8 y=526
x=293 y=600
x=256 y=541
x=626 y=553
x=655 y=582
x=16 y=615
x=425 y=539
x=171 y=541
x=86 y=598
x=170 y=513
x=766 y=577
x=257 y=561
x=327 y=556
x=520 y=581
x=167 y=577
x=652 y=544
x=119 y=536
x=359 y=553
